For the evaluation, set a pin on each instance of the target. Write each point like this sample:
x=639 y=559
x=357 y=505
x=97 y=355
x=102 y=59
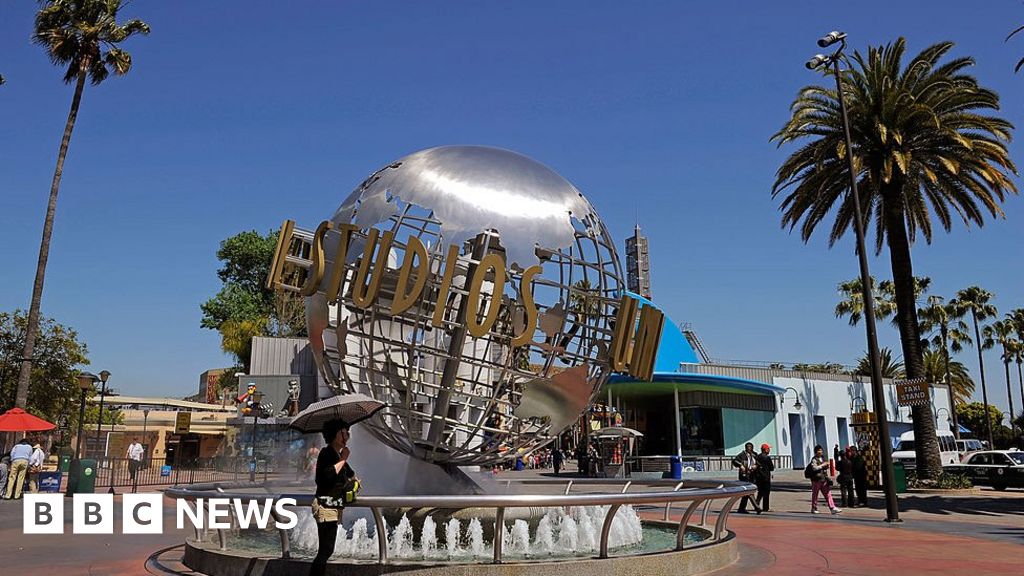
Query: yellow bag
x=353 y=490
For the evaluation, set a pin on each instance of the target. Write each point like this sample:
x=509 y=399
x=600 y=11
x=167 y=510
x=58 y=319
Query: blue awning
x=964 y=429
x=706 y=379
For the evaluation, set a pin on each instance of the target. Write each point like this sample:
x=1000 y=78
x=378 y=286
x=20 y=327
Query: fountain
x=479 y=296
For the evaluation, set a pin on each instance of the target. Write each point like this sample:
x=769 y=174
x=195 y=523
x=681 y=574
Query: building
x=638 y=264
x=152 y=421
x=706 y=412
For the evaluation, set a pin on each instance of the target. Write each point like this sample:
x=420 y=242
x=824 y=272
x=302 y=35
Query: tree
x=244 y=307
x=851 y=301
x=821 y=368
x=890 y=368
x=1017 y=316
x=976 y=301
x=1001 y=332
x=961 y=385
x=82 y=36
x=53 y=387
x=924 y=148
x=948 y=331
x=973 y=416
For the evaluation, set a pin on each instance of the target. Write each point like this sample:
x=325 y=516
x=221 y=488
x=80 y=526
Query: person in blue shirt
x=20 y=455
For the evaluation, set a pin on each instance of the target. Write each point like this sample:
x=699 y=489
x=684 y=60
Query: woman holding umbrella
x=336 y=482
x=334 y=478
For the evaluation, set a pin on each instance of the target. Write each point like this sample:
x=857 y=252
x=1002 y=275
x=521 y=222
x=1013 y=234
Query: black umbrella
x=352 y=408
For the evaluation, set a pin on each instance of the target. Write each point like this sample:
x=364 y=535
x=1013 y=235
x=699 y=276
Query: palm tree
x=924 y=148
x=1018 y=321
x=945 y=322
x=82 y=36
x=976 y=301
x=1001 y=332
x=961 y=385
x=852 y=302
x=890 y=368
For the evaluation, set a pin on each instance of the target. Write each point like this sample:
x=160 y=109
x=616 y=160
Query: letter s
x=284 y=513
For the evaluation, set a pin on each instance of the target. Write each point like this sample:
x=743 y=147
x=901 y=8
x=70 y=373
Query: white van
x=904 y=452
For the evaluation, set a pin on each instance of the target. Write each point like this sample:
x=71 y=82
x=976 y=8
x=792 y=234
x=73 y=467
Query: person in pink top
x=817 y=473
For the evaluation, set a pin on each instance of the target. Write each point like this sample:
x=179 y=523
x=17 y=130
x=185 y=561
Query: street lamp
x=796 y=405
x=949 y=419
x=853 y=403
x=86 y=382
x=822 y=62
x=104 y=375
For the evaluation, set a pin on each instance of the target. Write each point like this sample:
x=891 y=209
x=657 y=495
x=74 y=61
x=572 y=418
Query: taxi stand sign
x=915 y=392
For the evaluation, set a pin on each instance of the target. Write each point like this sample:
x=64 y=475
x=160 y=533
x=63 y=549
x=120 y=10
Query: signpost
x=182 y=422
x=916 y=392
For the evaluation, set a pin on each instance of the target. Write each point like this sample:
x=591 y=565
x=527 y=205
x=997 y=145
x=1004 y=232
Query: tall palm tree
x=925 y=150
x=890 y=367
x=851 y=301
x=81 y=36
x=960 y=380
x=949 y=333
x=1017 y=316
x=1002 y=332
x=976 y=300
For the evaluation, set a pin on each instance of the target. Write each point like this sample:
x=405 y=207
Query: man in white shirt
x=35 y=466
x=135 y=455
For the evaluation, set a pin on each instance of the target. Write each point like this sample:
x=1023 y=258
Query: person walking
x=20 y=455
x=763 y=477
x=746 y=462
x=845 y=478
x=136 y=452
x=336 y=485
x=556 y=460
x=35 y=466
x=860 y=476
x=5 y=467
x=817 y=473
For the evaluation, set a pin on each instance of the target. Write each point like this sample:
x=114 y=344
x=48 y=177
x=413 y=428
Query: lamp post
x=796 y=405
x=104 y=375
x=86 y=382
x=853 y=403
x=821 y=61
x=256 y=398
x=949 y=419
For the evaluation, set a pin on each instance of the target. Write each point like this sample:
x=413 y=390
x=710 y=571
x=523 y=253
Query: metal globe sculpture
x=471 y=289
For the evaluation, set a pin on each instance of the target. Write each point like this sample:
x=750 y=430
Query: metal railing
x=117 y=472
x=698 y=463
x=696 y=494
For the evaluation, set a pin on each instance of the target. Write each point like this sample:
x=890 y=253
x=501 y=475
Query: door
x=844 y=433
x=796 y=435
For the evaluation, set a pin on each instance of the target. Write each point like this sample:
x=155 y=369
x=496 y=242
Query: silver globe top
x=475 y=188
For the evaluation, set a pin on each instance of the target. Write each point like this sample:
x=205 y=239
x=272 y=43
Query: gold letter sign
x=635 y=352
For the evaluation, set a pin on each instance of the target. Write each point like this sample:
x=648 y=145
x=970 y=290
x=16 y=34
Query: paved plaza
x=980 y=531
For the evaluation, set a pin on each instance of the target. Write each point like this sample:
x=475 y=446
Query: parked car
x=967 y=446
x=904 y=452
x=999 y=469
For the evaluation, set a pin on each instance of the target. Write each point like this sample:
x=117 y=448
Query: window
x=947 y=444
x=905 y=446
x=1000 y=460
x=980 y=459
x=1017 y=457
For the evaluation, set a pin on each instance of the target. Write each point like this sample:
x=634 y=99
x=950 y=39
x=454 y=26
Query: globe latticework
x=454 y=397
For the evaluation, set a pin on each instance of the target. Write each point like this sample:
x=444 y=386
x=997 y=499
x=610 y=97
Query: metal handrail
x=730 y=491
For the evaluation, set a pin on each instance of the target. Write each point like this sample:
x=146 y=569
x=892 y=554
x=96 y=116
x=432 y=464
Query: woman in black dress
x=334 y=477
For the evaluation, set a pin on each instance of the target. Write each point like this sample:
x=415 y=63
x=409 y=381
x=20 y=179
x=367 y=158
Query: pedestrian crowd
x=20 y=468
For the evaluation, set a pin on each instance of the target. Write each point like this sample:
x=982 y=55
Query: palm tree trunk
x=1020 y=381
x=984 y=388
x=949 y=383
x=1009 y=391
x=32 y=329
x=926 y=445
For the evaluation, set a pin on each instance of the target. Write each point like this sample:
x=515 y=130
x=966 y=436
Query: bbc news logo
x=144 y=513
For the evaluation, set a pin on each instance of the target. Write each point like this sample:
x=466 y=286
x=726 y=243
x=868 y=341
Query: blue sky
x=238 y=114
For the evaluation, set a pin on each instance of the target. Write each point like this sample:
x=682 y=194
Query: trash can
x=899 y=477
x=82 y=476
x=65 y=463
x=50 y=481
x=676 y=467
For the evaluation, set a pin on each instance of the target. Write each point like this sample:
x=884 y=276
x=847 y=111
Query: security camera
x=816 y=62
x=831 y=38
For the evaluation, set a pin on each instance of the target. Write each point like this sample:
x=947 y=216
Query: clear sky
x=239 y=114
